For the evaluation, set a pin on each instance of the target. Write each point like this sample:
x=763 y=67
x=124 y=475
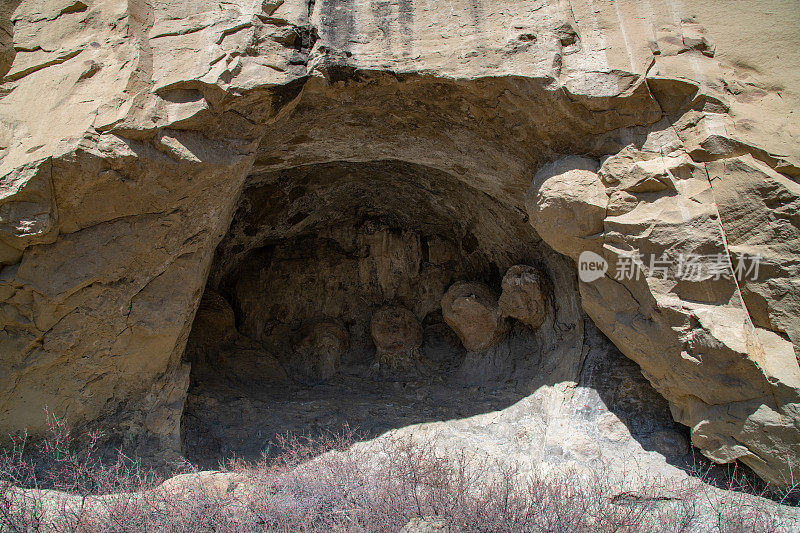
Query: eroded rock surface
x=397 y=335
x=216 y=348
x=470 y=308
x=129 y=130
x=316 y=357
x=568 y=212
x=671 y=302
x=214 y=322
x=524 y=295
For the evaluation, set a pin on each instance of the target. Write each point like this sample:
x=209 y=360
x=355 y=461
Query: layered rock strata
x=136 y=137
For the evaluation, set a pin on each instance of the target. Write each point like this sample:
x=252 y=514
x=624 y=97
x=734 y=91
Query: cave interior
x=323 y=311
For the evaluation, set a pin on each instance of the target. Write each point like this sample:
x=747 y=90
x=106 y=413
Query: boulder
x=568 y=212
x=523 y=296
x=470 y=309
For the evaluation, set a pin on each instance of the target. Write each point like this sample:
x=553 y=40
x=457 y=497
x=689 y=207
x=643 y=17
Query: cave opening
x=324 y=308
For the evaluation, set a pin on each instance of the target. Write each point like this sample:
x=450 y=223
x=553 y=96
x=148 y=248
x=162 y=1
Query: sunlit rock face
x=682 y=299
x=304 y=165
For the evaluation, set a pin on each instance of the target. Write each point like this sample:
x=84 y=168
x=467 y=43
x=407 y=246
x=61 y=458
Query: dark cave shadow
x=349 y=405
x=226 y=419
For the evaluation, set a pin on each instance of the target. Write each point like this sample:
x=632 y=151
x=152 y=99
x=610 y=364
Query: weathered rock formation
x=216 y=348
x=311 y=161
x=481 y=320
x=470 y=308
x=398 y=337
x=671 y=299
x=568 y=212
x=316 y=357
x=523 y=297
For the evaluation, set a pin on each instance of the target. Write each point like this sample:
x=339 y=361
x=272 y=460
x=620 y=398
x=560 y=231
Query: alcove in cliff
x=323 y=308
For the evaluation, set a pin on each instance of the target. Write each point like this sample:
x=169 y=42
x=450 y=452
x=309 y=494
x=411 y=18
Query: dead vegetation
x=330 y=484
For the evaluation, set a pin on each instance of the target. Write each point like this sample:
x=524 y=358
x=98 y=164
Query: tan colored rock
x=205 y=482
x=523 y=296
x=470 y=308
x=684 y=326
x=127 y=131
x=567 y=203
x=612 y=428
x=757 y=208
x=582 y=447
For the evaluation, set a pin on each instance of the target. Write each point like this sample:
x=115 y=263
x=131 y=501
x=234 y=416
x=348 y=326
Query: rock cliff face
x=307 y=163
x=679 y=311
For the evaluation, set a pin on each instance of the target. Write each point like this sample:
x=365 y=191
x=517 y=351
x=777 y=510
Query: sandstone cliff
x=147 y=149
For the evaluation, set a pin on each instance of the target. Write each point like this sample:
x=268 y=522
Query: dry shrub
x=329 y=484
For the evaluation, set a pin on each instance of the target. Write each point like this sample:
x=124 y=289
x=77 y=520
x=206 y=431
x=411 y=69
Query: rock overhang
x=174 y=141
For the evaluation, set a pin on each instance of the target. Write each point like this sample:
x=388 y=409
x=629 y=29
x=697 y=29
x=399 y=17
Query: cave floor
x=224 y=419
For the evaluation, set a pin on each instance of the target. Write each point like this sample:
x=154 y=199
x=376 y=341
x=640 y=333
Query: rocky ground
x=613 y=412
x=225 y=420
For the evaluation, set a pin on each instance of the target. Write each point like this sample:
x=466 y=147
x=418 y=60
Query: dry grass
x=328 y=485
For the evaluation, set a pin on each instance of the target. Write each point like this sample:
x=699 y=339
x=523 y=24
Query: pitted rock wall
x=128 y=128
